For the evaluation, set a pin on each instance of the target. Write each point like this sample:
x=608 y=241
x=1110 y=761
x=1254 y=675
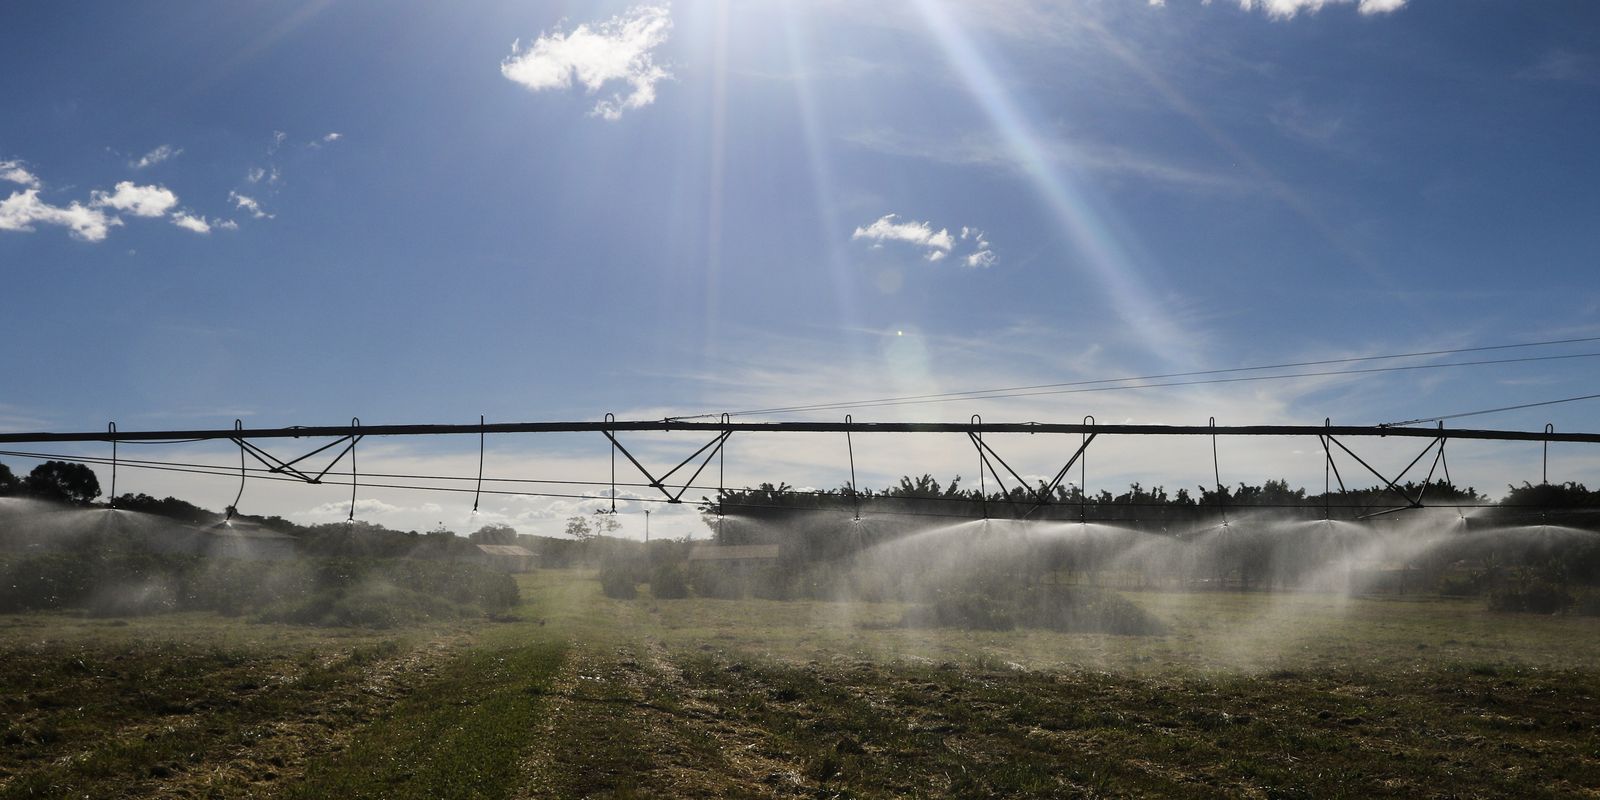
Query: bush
x=371 y=605
x=668 y=582
x=619 y=579
x=720 y=583
x=968 y=611
x=314 y=591
x=1073 y=609
x=1538 y=597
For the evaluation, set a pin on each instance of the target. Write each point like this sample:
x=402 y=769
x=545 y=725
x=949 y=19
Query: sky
x=297 y=213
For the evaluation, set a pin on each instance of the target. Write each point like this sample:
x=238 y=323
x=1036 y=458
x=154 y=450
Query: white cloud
x=14 y=172
x=140 y=201
x=191 y=222
x=278 y=138
x=23 y=209
x=618 y=49
x=227 y=225
x=937 y=245
x=156 y=156
x=887 y=228
x=332 y=136
x=248 y=204
x=1285 y=9
x=255 y=175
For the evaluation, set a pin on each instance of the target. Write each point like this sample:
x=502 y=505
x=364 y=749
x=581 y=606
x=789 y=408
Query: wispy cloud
x=619 y=49
x=199 y=224
x=1566 y=66
x=156 y=156
x=982 y=256
x=15 y=172
x=249 y=204
x=1287 y=9
x=987 y=151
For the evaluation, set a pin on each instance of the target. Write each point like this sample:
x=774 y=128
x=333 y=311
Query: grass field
x=1251 y=695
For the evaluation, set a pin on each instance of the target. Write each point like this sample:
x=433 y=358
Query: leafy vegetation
x=373 y=593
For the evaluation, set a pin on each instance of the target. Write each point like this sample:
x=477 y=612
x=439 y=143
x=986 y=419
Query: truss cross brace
x=1411 y=502
x=1042 y=493
x=714 y=446
x=275 y=464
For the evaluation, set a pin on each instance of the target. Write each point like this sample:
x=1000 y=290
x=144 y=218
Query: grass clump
x=359 y=592
x=1070 y=609
x=379 y=605
x=1535 y=597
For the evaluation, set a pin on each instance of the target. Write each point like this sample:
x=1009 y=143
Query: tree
x=63 y=481
x=578 y=528
x=9 y=483
x=493 y=534
x=606 y=522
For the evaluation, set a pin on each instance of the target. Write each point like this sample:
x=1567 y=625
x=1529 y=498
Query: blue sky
x=412 y=219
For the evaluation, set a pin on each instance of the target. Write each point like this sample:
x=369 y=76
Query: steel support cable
x=355 y=423
x=267 y=471
x=224 y=471
x=610 y=417
x=722 y=477
x=238 y=425
x=1544 y=473
x=111 y=430
x=1445 y=464
x=1488 y=411
x=1025 y=391
x=1216 y=472
x=1083 y=472
x=983 y=490
x=479 y=490
x=855 y=496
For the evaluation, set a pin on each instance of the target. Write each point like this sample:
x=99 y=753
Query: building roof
x=736 y=552
x=506 y=550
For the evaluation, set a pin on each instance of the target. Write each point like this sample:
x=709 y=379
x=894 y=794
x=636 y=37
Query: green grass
x=1248 y=695
x=458 y=735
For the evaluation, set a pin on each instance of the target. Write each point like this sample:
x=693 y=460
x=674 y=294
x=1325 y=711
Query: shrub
x=375 y=604
x=717 y=582
x=969 y=611
x=668 y=582
x=1074 y=609
x=619 y=579
x=314 y=591
x=1537 y=597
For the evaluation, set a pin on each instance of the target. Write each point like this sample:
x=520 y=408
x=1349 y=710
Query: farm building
x=505 y=557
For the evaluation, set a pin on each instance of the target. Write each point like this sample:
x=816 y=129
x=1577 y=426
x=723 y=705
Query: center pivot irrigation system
x=990 y=463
